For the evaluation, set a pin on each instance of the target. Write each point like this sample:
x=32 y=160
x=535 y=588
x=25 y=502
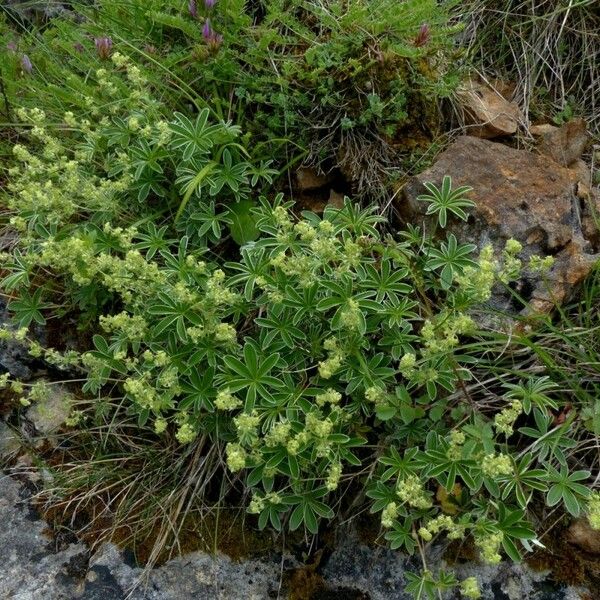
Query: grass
x=549 y=48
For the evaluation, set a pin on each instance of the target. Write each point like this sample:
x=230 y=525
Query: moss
x=305 y=583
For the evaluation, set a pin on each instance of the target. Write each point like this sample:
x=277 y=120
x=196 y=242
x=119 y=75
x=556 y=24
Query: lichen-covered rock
x=50 y=414
x=521 y=195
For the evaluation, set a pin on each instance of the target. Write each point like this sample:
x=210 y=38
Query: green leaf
x=243 y=222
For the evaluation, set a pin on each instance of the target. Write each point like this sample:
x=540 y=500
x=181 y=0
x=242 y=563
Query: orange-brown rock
x=308 y=179
x=521 y=195
x=581 y=534
x=564 y=144
x=487 y=112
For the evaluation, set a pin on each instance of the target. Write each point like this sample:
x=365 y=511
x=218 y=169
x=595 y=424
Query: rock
x=9 y=442
x=543 y=129
x=519 y=195
x=581 y=534
x=31 y=568
x=581 y=172
x=336 y=199
x=308 y=179
x=565 y=144
x=197 y=575
x=49 y=415
x=488 y=113
x=38 y=9
x=379 y=573
x=590 y=214
x=14 y=356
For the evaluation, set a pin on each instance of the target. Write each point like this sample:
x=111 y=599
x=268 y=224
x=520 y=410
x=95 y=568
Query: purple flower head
x=103 y=46
x=79 y=47
x=207 y=31
x=193 y=9
x=26 y=64
x=209 y=3
x=211 y=37
x=423 y=36
x=12 y=46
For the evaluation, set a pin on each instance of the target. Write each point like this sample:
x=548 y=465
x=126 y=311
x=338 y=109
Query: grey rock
x=196 y=575
x=14 y=357
x=31 y=570
x=34 y=10
x=50 y=414
x=9 y=442
x=379 y=573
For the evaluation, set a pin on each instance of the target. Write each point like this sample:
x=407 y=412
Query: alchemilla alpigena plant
x=329 y=359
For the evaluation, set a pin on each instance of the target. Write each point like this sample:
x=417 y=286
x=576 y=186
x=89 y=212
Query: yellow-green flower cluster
x=225 y=400
x=350 y=315
x=511 y=267
x=4 y=380
x=217 y=293
x=38 y=392
x=477 y=282
x=142 y=392
x=295 y=443
x=441 y=334
x=318 y=426
x=258 y=503
x=376 y=395
x=133 y=327
x=185 y=433
x=169 y=378
x=279 y=434
x=489 y=546
x=497 y=465
x=156 y=359
x=537 y=264
x=410 y=491
x=133 y=277
x=333 y=476
x=236 y=457
x=76 y=417
x=282 y=218
x=329 y=396
x=225 y=333
x=160 y=425
x=593 y=510
x=389 y=514
x=505 y=419
x=469 y=588
x=246 y=425
x=407 y=365
x=334 y=361
x=457 y=439
x=455 y=531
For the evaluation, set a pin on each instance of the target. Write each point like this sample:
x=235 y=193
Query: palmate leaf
x=252 y=375
x=27 y=308
x=193 y=137
x=444 y=200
